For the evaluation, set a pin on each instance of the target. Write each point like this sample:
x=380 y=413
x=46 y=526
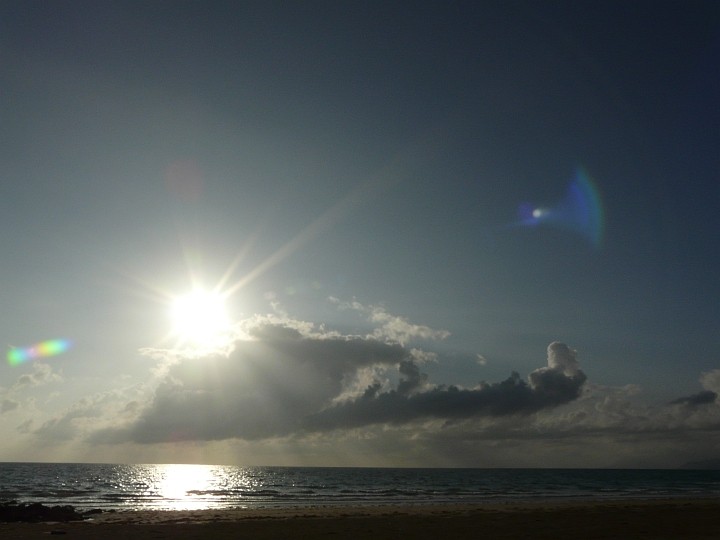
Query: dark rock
x=34 y=512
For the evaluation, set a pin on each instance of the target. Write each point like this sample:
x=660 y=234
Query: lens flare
x=44 y=349
x=580 y=211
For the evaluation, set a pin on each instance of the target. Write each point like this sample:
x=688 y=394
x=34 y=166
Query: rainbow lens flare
x=580 y=211
x=51 y=347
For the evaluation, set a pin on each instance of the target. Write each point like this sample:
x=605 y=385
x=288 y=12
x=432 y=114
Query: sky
x=478 y=234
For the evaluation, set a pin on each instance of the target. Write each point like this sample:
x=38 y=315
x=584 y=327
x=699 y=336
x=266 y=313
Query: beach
x=637 y=519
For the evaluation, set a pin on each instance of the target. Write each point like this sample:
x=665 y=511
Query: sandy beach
x=657 y=519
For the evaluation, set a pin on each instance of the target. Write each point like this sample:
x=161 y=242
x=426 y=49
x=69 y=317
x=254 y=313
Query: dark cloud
x=330 y=354
x=550 y=386
x=262 y=389
x=66 y=427
x=287 y=379
x=701 y=398
x=411 y=377
x=317 y=389
x=8 y=405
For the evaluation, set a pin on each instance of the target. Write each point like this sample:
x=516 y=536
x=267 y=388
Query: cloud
x=8 y=405
x=66 y=426
x=41 y=374
x=348 y=398
x=291 y=378
x=25 y=427
x=604 y=427
x=711 y=381
x=88 y=414
x=392 y=327
x=281 y=372
x=77 y=419
x=558 y=383
x=412 y=379
x=701 y=398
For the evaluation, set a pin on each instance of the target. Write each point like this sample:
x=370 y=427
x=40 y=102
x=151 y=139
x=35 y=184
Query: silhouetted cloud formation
x=286 y=377
x=560 y=382
x=701 y=398
x=302 y=386
x=281 y=372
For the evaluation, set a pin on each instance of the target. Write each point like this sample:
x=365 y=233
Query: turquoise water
x=214 y=486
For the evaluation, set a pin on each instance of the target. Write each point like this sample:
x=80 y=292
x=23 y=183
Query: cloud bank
x=317 y=393
x=288 y=378
x=558 y=383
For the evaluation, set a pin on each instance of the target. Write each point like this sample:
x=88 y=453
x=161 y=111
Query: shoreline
x=688 y=518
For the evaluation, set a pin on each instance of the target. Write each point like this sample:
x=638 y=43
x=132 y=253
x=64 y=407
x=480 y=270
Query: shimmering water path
x=186 y=487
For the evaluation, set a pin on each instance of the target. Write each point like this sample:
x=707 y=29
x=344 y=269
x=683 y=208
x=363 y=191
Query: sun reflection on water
x=186 y=487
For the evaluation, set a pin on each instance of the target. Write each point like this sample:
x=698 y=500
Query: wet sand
x=656 y=519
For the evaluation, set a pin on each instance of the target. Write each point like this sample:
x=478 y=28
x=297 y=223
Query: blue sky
x=357 y=174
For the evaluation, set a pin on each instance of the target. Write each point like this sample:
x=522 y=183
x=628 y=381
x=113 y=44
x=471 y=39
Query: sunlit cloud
x=40 y=374
x=392 y=327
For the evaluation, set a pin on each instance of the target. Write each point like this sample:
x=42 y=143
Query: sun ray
x=393 y=173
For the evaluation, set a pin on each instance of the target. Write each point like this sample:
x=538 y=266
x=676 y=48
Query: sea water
x=187 y=487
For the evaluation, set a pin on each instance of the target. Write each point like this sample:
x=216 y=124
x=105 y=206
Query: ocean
x=190 y=487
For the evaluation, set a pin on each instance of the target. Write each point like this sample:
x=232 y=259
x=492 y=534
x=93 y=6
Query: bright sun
x=200 y=319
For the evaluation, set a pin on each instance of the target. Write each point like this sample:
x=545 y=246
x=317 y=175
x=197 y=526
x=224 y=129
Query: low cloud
x=701 y=398
x=290 y=378
x=7 y=405
x=711 y=380
x=280 y=373
x=558 y=383
x=88 y=414
x=41 y=374
x=324 y=395
x=25 y=427
x=82 y=416
x=392 y=327
x=66 y=426
x=12 y=397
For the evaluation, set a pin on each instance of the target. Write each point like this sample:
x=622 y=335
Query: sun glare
x=200 y=319
x=182 y=486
